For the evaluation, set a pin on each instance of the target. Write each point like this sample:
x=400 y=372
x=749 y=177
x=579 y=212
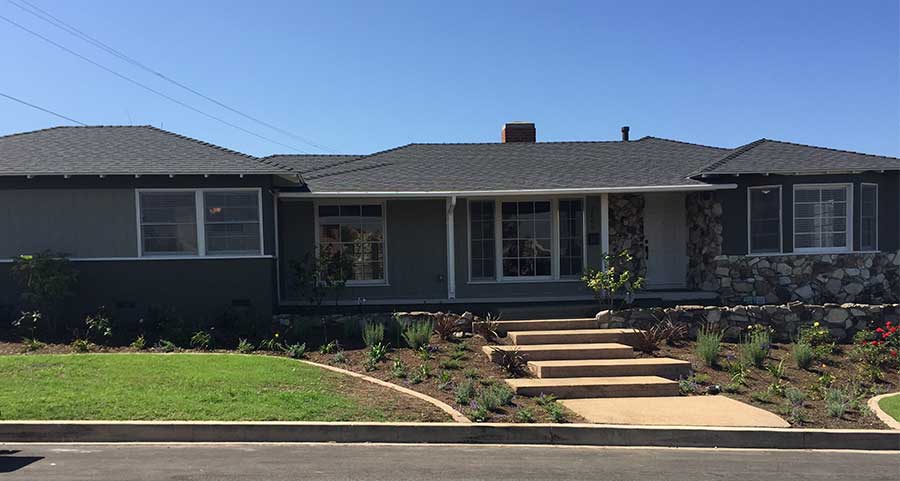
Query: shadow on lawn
x=9 y=463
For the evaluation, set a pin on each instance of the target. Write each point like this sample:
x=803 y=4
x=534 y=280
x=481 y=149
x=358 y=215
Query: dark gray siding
x=734 y=206
x=195 y=289
x=523 y=290
x=416 y=250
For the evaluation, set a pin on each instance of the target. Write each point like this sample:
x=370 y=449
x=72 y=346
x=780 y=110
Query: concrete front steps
x=572 y=336
x=596 y=387
x=646 y=366
x=572 y=359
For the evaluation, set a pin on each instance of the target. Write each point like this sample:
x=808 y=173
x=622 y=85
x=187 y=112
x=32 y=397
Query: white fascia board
x=512 y=193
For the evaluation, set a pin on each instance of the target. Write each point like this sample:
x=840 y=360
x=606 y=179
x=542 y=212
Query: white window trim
x=877 y=194
x=498 y=241
x=199 y=206
x=780 y=219
x=383 y=204
x=850 y=220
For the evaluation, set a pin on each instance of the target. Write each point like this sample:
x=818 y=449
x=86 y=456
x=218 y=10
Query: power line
x=149 y=89
x=49 y=18
x=42 y=109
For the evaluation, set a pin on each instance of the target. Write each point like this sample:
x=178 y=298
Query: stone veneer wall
x=703 y=214
x=843 y=320
x=867 y=278
x=626 y=228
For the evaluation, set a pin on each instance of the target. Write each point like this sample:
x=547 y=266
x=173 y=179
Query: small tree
x=321 y=275
x=48 y=280
x=614 y=278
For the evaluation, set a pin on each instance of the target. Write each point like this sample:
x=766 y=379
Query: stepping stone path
x=572 y=359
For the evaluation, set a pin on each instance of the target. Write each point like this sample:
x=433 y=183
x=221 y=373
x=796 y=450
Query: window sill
x=367 y=284
x=543 y=280
x=809 y=253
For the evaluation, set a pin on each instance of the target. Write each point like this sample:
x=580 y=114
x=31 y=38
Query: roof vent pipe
x=625 y=130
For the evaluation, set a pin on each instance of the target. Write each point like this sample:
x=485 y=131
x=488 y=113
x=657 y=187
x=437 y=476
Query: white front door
x=665 y=237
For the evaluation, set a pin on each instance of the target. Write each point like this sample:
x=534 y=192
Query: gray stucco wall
x=734 y=206
x=416 y=250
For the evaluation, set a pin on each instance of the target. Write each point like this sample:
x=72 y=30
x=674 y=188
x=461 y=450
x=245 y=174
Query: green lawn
x=187 y=387
x=891 y=405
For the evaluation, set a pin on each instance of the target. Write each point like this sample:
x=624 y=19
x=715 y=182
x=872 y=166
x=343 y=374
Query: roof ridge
x=367 y=156
x=729 y=156
x=312 y=155
x=843 y=151
x=681 y=142
x=347 y=171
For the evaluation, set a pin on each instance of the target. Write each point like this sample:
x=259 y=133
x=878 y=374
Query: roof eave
x=510 y=193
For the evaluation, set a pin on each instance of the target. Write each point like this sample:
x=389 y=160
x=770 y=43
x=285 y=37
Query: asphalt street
x=118 y=462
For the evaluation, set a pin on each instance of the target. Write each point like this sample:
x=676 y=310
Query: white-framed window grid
x=866 y=244
x=498 y=276
x=199 y=220
x=821 y=203
x=384 y=234
x=750 y=219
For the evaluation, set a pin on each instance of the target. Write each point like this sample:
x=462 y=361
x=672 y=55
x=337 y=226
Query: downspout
x=451 y=254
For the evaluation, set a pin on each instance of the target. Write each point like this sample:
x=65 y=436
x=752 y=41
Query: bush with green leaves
x=139 y=343
x=479 y=413
x=339 y=357
x=795 y=396
x=495 y=397
x=418 y=334
x=524 y=415
x=815 y=335
x=776 y=370
x=398 y=369
x=201 y=340
x=330 y=347
x=272 y=344
x=804 y=355
x=614 y=278
x=32 y=344
x=755 y=347
x=245 y=347
x=99 y=326
x=444 y=381
x=48 y=280
x=556 y=413
x=836 y=403
x=373 y=333
x=511 y=360
x=709 y=343
x=465 y=392
x=165 y=345
x=296 y=351
x=81 y=345
x=377 y=352
x=28 y=323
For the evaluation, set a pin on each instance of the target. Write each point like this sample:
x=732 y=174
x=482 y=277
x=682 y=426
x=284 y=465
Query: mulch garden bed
x=837 y=370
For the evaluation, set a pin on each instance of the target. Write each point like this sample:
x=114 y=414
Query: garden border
x=446 y=433
x=883 y=416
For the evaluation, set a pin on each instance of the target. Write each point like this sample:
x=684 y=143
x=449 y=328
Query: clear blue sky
x=364 y=76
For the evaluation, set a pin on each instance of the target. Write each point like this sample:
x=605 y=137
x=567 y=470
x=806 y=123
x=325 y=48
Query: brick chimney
x=518 y=132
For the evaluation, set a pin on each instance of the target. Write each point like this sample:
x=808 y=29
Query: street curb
x=883 y=416
x=446 y=433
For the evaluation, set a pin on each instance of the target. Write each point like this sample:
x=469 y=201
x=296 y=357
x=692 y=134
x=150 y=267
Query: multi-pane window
x=168 y=223
x=820 y=217
x=571 y=237
x=765 y=219
x=355 y=231
x=482 y=239
x=229 y=223
x=868 y=217
x=526 y=229
x=232 y=222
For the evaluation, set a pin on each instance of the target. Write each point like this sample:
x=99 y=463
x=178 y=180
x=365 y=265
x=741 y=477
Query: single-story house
x=150 y=217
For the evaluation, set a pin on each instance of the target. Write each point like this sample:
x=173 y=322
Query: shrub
x=272 y=344
x=28 y=323
x=330 y=347
x=776 y=370
x=296 y=351
x=738 y=371
x=835 y=403
x=377 y=352
x=648 y=340
x=48 y=280
x=32 y=344
x=444 y=381
x=244 y=347
x=418 y=334
x=556 y=412
x=795 y=396
x=445 y=326
x=688 y=386
x=709 y=342
x=98 y=325
x=339 y=357
x=373 y=333
x=524 y=415
x=479 y=413
x=615 y=277
x=138 y=344
x=488 y=328
x=465 y=392
x=81 y=345
x=511 y=360
x=425 y=354
x=166 y=346
x=398 y=369
x=163 y=322
x=451 y=364
x=755 y=347
x=803 y=354
x=815 y=335
x=369 y=365
x=201 y=340
x=471 y=373
x=732 y=388
x=761 y=396
x=544 y=400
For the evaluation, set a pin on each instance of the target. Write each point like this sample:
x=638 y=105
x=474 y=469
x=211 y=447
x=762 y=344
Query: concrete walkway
x=674 y=411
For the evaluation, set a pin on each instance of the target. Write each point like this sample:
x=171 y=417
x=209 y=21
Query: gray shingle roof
x=309 y=162
x=773 y=156
x=517 y=166
x=121 y=150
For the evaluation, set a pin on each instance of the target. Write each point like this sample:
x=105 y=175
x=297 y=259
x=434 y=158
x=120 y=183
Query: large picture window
x=571 y=237
x=356 y=231
x=482 y=239
x=199 y=222
x=526 y=239
x=821 y=218
x=868 y=217
x=765 y=219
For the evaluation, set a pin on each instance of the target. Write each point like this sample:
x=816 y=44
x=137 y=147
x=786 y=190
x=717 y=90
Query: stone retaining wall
x=862 y=278
x=843 y=320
